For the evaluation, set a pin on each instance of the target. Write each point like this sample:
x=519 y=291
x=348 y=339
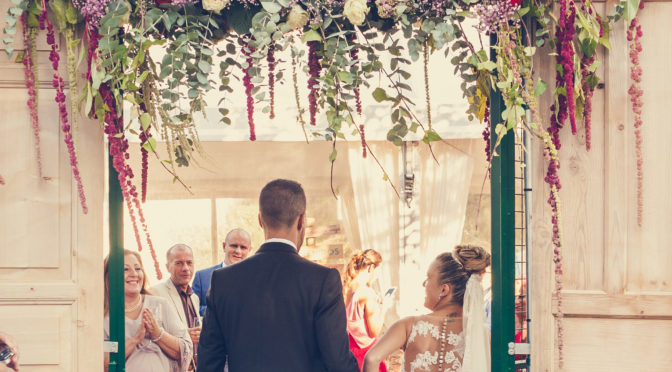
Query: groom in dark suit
x=276 y=311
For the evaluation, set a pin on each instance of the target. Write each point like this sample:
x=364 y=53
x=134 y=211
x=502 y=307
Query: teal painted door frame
x=502 y=207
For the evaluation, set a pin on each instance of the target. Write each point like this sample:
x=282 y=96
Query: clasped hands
x=149 y=327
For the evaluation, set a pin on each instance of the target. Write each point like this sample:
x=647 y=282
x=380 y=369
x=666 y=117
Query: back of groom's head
x=281 y=202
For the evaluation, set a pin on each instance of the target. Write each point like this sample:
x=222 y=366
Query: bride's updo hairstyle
x=455 y=268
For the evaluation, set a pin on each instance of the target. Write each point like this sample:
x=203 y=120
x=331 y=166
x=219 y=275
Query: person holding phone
x=365 y=309
x=9 y=353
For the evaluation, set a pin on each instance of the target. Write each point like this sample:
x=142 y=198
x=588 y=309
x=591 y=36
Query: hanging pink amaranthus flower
x=635 y=91
x=564 y=57
x=247 y=82
x=31 y=85
x=363 y=137
x=588 y=90
x=119 y=152
x=314 y=71
x=568 y=65
x=354 y=56
x=57 y=82
x=144 y=135
x=270 y=58
x=486 y=133
x=118 y=149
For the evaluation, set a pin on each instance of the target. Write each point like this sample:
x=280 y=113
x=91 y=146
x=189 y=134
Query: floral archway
x=153 y=56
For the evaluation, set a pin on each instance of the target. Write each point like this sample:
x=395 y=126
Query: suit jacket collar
x=175 y=298
x=277 y=247
x=174 y=294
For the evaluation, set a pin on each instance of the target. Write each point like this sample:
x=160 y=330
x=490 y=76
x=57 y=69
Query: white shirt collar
x=280 y=240
x=224 y=264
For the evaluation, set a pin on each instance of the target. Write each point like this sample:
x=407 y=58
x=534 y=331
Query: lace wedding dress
x=427 y=351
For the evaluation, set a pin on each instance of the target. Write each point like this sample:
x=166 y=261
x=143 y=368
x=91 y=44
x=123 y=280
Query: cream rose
x=297 y=17
x=356 y=11
x=215 y=5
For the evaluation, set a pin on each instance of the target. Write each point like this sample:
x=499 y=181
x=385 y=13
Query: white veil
x=477 y=337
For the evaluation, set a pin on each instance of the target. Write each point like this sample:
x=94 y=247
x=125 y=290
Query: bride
x=453 y=337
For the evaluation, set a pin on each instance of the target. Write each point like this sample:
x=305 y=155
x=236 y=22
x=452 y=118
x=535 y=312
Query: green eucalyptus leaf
x=204 y=66
x=379 y=95
x=311 y=35
x=593 y=67
x=150 y=145
x=540 y=88
x=271 y=6
x=145 y=121
x=431 y=136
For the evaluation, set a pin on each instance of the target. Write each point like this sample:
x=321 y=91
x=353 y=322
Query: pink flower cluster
x=181 y=3
x=247 y=82
x=486 y=133
x=57 y=83
x=586 y=87
x=363 y=138
x=354 y=56
x=270 y=58
x=314 y=71
x=635 y=91
x=495 y=13
x=119 y=152
x=565 y=57
x=434 y=8
x=144 y=135
x=91 y=10
x=29 y=68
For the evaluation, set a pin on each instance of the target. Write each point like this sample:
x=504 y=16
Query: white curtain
x=441 y=192
x=373 y=212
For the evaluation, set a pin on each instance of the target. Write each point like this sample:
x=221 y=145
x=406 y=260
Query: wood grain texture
x=617 y=276
x=51 y=289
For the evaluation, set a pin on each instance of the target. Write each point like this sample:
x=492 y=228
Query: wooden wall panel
x=50 y=252
x=608 y=345
x=617 y=299
x=44 y=203
x=583 y=199
x=47 y=343
x=649 y=262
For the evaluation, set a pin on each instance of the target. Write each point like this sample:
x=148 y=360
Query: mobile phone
x=6 y=354
x=390 y=291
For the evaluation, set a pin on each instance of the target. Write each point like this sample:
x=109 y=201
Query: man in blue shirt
x=237 y=246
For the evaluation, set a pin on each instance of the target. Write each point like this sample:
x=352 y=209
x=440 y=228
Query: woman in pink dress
x=364 y=309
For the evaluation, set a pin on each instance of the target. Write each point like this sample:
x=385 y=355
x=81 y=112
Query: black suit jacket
x=275 y=311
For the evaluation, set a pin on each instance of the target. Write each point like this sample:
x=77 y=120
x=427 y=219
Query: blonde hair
x=106 y=276
x=359 y=261
x=455 y=268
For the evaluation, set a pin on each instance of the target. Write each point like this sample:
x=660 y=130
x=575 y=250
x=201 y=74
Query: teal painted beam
x=502 y=186
x=116 y=273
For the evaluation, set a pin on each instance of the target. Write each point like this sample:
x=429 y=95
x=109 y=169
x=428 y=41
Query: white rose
x=215 y=5
x=356 y=11
x=297 y=17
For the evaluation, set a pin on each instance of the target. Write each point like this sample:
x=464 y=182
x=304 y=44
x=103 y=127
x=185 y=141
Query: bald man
x=237 y=246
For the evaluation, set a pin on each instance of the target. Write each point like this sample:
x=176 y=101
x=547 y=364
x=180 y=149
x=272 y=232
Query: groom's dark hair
x=281 y=202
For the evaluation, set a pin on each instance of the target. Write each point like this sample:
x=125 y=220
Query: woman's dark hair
x=455 y=268
x=359 y=262
x=106 y=276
